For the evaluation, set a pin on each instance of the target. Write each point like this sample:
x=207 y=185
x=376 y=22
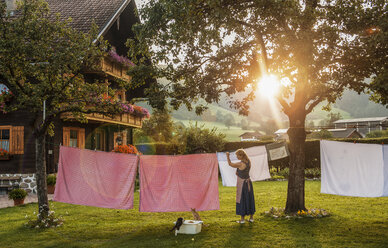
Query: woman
x=245 y=200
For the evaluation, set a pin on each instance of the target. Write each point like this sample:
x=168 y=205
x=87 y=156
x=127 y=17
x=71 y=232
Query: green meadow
x=354 y=222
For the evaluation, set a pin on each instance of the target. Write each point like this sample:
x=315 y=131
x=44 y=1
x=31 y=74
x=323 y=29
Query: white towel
x=259 y=165
x=354 y=169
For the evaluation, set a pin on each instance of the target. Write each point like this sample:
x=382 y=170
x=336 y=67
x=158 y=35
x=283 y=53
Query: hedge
x=312 y=149
x=160 y=148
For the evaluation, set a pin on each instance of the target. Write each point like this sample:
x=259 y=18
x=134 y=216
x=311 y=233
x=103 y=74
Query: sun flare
x=268 y=85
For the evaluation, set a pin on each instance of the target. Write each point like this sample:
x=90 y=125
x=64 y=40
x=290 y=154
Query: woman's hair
x=243 y=154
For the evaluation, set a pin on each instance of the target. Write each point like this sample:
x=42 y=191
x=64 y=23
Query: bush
x=277 y=177
x=312 y=173
x=17 y=194
x=51 y=179
x=285 y=173
x=201 y=139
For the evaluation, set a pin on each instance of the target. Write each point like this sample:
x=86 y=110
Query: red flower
x=129 y=149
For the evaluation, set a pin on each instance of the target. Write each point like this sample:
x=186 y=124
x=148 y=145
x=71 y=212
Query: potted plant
x=4 y=154
x=51 y=181
x=18 y=196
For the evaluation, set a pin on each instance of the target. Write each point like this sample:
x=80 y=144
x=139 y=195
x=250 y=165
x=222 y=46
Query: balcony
x=115 y=69
x=122 y=119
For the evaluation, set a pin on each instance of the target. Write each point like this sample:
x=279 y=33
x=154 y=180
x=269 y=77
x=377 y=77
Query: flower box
x=5 y=157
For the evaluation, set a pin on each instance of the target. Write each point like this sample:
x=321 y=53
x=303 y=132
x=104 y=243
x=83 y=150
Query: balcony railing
x=121 y=119
x=114 y=69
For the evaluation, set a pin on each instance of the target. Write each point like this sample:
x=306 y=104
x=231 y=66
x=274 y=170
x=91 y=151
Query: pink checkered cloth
x=178 y=183
x=94 y=178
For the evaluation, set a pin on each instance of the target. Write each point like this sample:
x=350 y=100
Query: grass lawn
x=355 y=222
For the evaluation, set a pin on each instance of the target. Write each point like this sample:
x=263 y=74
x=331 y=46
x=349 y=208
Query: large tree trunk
x=297 y=135
x=41 y=181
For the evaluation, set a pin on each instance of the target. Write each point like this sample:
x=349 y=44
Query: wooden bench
x=7 y=183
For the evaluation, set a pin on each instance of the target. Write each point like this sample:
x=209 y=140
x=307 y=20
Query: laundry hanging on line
x=95 y=178
x=178 y=183
x=277 y=151
x=350 y=169
x=259 y=165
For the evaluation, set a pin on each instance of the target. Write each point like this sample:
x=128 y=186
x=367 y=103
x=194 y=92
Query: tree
x=315 y=47
x=333 y=117
x=160 y=126
x=200 y=139
x=244 y=124
x=229 y=120
x=42 y=59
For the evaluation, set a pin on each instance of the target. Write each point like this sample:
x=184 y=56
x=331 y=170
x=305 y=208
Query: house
x=363 y=125
x=250 y=136
x=281 y=134
x=114 y=19
x=345 y=133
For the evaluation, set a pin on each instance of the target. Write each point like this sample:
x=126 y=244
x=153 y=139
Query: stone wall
x=27 y=181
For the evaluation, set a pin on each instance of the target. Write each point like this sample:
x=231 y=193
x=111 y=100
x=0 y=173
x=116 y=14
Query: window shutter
x=81 y=138
x=17 y=140
x=66 y=136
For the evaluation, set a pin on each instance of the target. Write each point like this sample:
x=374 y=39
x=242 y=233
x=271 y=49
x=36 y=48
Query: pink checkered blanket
x=178 y=183
x=94 y=178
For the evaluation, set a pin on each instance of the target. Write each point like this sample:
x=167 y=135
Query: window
x=99 y=139
x=12 y=139
x=5 y=138
x=120 y=138
x=120 y=95
x=74 y=137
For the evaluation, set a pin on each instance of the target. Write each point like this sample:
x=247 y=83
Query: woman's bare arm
x=239 y=165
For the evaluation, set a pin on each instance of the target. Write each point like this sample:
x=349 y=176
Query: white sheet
x=353 y=169
x=385 y=155
x=259 y=168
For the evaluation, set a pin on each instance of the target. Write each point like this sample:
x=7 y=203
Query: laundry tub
x=190 y=227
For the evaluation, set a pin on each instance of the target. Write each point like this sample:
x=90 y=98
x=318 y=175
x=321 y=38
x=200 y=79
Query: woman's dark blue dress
x=245 y=200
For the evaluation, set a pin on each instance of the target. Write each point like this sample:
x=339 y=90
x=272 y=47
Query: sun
x=268 y=85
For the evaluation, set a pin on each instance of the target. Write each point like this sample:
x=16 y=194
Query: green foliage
x=276 y=177
x=159 y=127
x=17 y=194
x=51 y=179
x=201 y=139
x=377 y=134
x=230 y=66
x=312 y=173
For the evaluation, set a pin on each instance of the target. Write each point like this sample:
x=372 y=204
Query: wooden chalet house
x=114 y=19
